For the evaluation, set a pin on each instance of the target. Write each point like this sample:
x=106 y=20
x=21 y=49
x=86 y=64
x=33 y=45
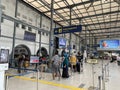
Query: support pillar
x=85 y=38
x=51 y=40
x=40 y=35
x=80 y=22
x=0 y=16
x=70 y=33
x=14 y=33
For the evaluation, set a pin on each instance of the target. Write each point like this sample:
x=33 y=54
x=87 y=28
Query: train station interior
x=60 y=44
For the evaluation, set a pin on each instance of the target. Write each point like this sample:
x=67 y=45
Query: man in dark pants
x=20 y=61
x=80 y=62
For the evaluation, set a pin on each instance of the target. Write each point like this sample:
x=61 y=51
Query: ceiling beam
x=28 y=5
x=72 y=6
x=107 y=32
x=102 y=23
x=113 y=12
x=116 y=27
x=114 y=35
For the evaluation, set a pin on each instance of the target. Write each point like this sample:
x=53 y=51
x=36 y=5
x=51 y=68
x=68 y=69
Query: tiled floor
x=86 y=79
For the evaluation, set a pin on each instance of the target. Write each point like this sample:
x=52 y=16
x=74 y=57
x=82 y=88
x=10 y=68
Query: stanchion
x=37 y=75
x=71 y=69
x=103 y=83
x=105 y=72
x=99 y=80
x=6 y=82
x=93 y=75
x=108 y=70
x=33 y=77
x=103 y=77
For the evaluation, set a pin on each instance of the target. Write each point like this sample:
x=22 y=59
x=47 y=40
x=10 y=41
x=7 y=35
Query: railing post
x=99 y=79
x=6 y=82
x=37 y=75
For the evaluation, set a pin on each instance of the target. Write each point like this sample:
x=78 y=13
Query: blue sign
x=68 y=29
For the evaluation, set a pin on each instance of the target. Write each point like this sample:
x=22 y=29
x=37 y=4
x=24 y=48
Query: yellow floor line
x=49 y=83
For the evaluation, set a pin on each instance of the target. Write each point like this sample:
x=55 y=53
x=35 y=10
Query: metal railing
x=104 y=77
x=37 y=71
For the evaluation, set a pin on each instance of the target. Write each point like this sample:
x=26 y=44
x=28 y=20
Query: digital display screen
x=29 y=36
x=62 y=42
x=4 y=55
x=34 y=59
x=112 y=44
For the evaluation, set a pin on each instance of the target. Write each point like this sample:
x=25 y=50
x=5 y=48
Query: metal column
x=40 y=35
x=80 y=22
x=51 y=32
x=0 y=16
x=92 y=42
x=70 y=33
x=85 y=38
x=14 y=33
x=89 y=41
x=89 y=38
x=79 y=42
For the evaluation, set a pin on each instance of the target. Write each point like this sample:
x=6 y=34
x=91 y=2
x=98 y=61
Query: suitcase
x=78 y=66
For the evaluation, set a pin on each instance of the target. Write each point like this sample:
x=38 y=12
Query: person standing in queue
x=65 y=66
x=56 y=65
x=73 y=61
x=78 y=65
x=21 y=58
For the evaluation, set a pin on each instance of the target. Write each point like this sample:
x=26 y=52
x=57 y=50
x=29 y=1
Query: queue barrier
x=7 y=75
x=104 y=77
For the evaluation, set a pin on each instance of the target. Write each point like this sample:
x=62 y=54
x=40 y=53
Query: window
x=47 y=27
x=25 y=17
x=42 y=33
x=2 y=19
x=17 y=24
x=29 y=28
x=46 y=34
x=23 y=26
x=39 y=32
x=30 y=19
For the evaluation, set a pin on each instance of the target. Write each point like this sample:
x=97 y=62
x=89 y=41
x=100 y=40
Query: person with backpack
x=56 y=65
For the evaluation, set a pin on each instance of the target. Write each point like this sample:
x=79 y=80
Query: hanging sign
x=68 y=29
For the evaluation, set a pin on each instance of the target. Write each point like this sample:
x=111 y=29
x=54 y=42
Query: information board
x=68 y=29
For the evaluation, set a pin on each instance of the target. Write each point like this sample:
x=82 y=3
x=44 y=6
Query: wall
x=27 y=15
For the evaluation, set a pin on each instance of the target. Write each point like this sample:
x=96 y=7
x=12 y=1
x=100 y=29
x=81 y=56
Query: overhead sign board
x=68 y=29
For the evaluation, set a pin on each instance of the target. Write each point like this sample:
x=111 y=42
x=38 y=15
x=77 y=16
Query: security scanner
x=4 y=58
